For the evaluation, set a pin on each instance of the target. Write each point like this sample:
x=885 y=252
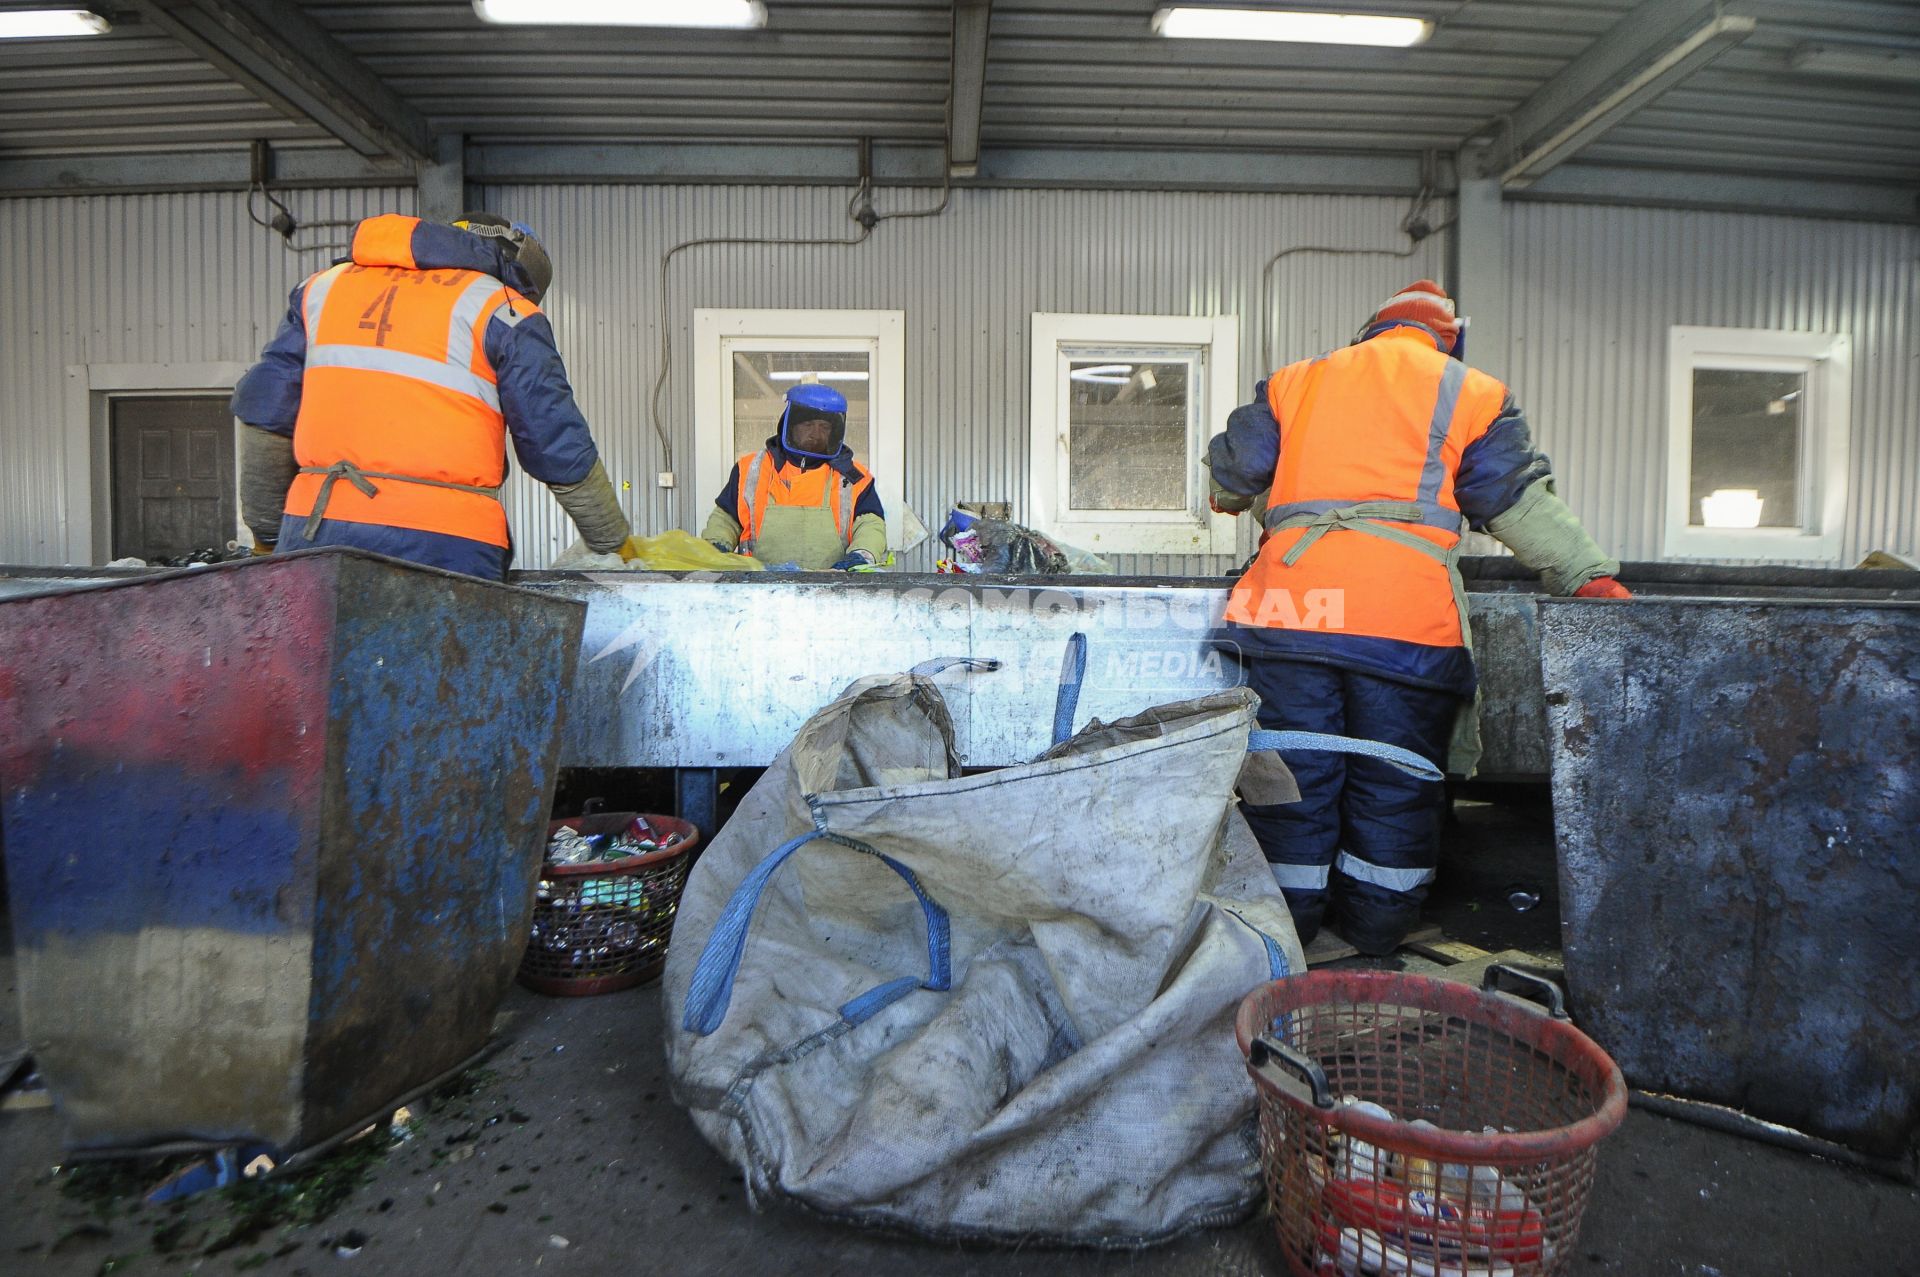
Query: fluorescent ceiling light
x=1855 y=62
x=1105 y=370
x=623 y=13
x=1290 y=25
x=31 y=24
x=818 y=376
x=1731 y=508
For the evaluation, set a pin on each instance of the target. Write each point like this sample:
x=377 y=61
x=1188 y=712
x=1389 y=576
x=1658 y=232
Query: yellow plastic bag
x=679 y=551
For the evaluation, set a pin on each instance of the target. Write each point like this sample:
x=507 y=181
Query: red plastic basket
x=1511 y=1102
x=605 y=926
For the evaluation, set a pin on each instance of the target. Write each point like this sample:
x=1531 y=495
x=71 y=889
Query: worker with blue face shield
x=803 y=499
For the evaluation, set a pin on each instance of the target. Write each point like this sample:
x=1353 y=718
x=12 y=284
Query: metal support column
x=696 y=792
x=442 y=181
x=1479 y=282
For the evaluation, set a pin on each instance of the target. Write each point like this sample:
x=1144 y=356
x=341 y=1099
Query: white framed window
x=744 y=363
x=1122 y=408
x=1757 y=443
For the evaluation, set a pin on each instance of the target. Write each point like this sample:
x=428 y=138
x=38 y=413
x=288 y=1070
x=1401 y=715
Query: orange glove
x=1603 y=587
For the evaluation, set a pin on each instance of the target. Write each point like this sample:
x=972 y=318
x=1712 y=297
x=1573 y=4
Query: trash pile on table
x=977 y=544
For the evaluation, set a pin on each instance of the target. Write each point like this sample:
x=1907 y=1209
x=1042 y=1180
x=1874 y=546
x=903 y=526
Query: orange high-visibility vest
x=763 y=484
x=398 y=398
x=1363 y=527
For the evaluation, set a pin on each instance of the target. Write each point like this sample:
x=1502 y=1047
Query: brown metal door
x=173 y=480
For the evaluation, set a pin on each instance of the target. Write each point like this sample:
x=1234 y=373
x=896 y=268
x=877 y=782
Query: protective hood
x=814 y=403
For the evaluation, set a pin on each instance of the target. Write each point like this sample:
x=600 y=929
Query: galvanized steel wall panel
x=1594 y=292
x=969 y=281
x=187 y=278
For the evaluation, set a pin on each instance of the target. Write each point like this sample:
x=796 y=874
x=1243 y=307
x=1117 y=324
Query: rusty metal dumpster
x=272 y=830
x=1736 y=791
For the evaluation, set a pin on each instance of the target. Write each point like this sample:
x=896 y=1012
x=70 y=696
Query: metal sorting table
x=701 y=671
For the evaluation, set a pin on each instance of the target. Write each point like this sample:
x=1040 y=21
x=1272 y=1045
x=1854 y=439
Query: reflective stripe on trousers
x=1315 y=877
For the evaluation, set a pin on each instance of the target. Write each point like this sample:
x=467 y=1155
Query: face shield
x=814 y=424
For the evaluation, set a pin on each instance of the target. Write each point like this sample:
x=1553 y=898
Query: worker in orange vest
x=380 y=411
x=803 y=499
x=1370 y=462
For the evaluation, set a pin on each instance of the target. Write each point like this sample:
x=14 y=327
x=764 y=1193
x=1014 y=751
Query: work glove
x=595 y=510
x=1603 y=587
x=854 y=561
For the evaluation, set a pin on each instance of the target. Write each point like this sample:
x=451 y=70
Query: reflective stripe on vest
x=751 y=511
x=448 y=376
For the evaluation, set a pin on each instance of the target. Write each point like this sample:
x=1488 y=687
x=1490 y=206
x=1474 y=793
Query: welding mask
x=808 y=409
x=525 y=249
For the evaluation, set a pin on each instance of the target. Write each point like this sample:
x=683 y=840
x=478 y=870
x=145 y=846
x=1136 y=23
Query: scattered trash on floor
x=1522 y=897
x=206 y=1205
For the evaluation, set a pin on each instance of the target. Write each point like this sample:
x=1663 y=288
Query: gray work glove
x=594 y=510
x=267 y=468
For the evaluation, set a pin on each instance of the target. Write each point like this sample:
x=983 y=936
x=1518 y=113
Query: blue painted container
x=272 y=833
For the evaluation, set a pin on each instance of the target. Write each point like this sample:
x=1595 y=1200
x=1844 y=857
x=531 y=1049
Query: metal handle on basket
x=1269 y=1056
x=1533 y=987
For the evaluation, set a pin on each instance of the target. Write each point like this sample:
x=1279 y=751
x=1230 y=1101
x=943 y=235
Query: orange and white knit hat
x=1425 y=303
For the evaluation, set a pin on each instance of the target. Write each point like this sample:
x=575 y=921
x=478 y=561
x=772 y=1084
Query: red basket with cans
x=604 y=907
x=1415 y=1127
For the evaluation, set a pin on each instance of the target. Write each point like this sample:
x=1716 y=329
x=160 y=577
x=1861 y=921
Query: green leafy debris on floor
x=264 y=1215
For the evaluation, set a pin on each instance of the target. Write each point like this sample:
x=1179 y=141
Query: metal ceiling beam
x=202 y=170
x=291 y=62
x=906 y=164
x=1002 y=168
x=967 y=89
x=1726 y=193
x=1654 y=47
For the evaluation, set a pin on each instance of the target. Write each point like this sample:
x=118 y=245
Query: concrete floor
x=573 y=1137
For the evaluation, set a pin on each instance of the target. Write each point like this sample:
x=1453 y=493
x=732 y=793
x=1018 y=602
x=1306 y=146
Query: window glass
x=1745 y=466
x=1127 y=432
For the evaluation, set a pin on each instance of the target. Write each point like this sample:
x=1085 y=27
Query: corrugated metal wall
x=968 y=281
x=146 y=279
x=1594 y=291
x=190 y=279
